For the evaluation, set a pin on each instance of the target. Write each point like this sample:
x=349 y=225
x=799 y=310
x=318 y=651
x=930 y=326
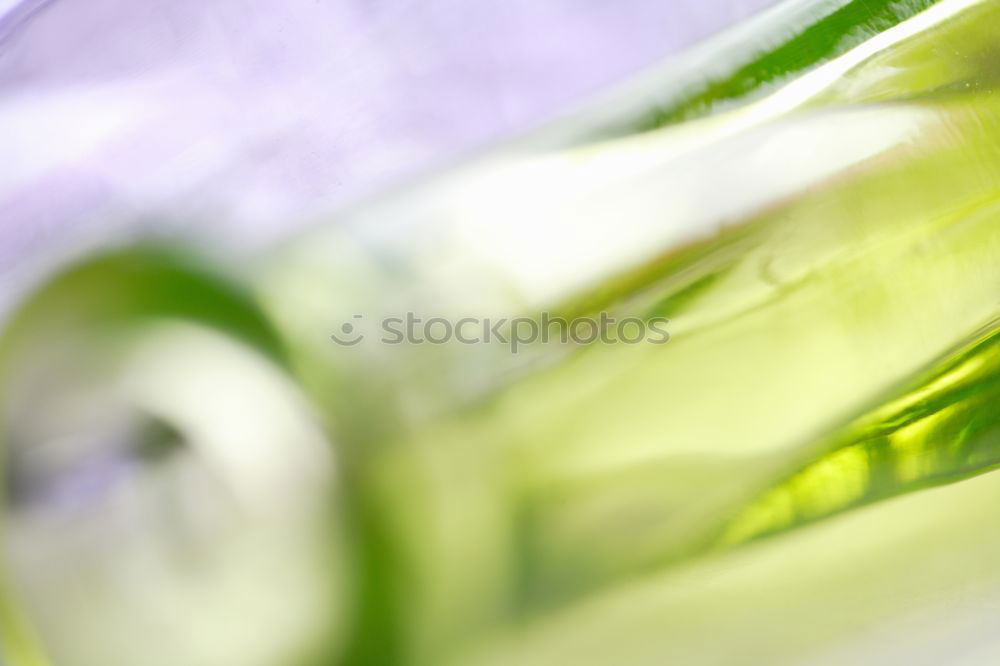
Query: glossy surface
x=798 y=476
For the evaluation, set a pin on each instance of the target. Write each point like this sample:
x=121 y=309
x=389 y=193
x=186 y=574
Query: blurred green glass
x=798 y=476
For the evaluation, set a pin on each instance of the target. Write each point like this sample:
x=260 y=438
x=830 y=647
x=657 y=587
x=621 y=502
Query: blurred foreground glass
x=197 y=473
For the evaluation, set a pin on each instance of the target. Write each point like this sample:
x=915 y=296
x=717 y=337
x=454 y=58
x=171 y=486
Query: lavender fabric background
x=245 y=116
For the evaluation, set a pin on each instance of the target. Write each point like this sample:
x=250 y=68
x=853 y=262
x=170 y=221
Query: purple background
x=244 y=117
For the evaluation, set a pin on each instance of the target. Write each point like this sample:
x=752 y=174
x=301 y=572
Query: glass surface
x=799 y=474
